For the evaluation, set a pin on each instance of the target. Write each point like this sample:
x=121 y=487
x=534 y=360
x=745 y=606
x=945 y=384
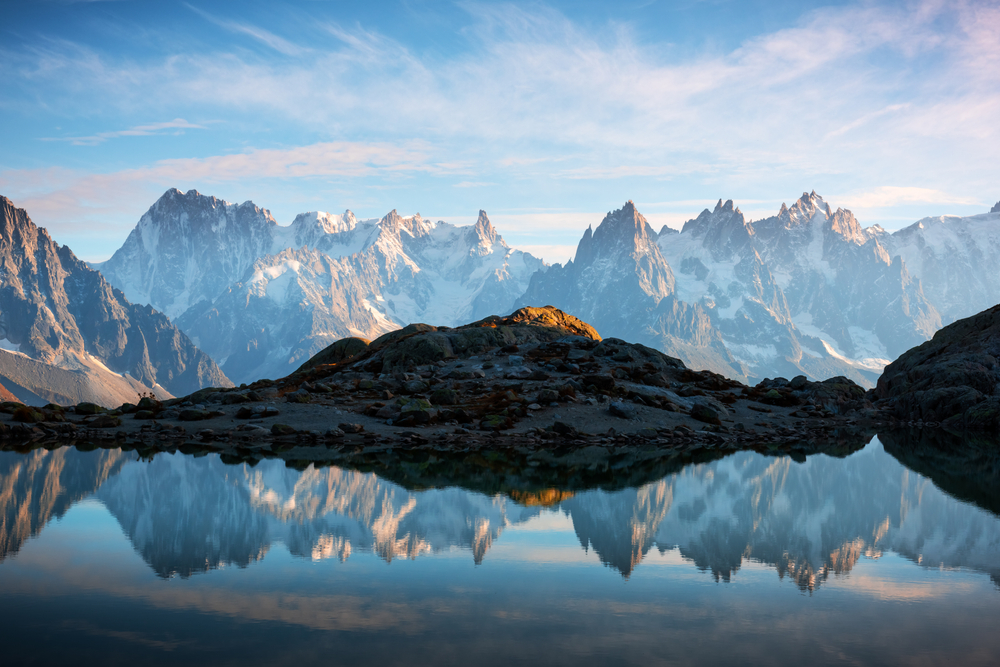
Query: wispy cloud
x=175 y=126
x=888 y=196
x=70 y=202
x=263 y=36
x=843 y=98
x=473 y=184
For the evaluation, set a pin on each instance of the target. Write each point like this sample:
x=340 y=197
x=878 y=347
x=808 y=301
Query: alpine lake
x=887 y=553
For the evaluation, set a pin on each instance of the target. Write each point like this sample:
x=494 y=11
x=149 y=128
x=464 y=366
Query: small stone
x=415 y=387
x=547 y=396
x=563 y=428
x=105 y=421
x=494 y=423
x=444 y=397
x=351 y=428
x=534 y=406
x=300 y=396
x=623 y=410
x=282 y=429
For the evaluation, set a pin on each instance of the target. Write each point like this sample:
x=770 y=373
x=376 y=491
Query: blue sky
x=546 y=115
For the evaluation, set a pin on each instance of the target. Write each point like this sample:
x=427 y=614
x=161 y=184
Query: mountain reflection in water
x=808 y=520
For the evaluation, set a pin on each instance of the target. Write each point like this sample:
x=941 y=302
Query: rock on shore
x=954 y=378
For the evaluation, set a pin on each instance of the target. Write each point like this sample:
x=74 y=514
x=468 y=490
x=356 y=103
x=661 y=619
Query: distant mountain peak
x=485 y=230
x=721 y=222
x=728 y=206
x=996 y=208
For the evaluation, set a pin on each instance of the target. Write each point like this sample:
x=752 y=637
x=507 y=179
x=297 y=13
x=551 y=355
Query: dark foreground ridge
x=952 y=379
x=537 y=389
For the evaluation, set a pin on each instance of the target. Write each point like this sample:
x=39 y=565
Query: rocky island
x=539 y=385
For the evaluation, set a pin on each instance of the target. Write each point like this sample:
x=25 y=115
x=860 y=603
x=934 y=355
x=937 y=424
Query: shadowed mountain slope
x=68 y=335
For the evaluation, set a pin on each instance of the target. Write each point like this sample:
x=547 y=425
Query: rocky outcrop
x=342 y=350
x=419 y=344
x=996 y=208
x=954 y=378
x=57 y=311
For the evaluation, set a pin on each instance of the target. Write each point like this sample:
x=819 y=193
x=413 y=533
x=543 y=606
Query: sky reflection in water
x=749 y=558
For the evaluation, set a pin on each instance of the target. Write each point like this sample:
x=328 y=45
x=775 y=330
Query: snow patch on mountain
x=260 y=297
x=955 y=259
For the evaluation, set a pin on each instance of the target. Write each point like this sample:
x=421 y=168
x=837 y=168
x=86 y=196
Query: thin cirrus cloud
x=888 y=196
x=260 y=34
x=174 y=126
x=64 y=198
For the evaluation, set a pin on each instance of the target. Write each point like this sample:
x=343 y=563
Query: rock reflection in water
x=186 y=515
x=42 y=485
x=808 y=520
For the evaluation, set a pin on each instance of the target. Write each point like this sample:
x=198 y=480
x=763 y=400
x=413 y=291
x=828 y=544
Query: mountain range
x=261 y=299
x=806 y=291
x=69 y=336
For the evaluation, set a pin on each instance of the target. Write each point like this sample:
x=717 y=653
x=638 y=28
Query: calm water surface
x=749 y=559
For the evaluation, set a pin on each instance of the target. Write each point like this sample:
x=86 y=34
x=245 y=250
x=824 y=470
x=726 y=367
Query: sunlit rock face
x=261 y=298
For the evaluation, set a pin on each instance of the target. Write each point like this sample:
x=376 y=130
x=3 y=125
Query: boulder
x=444 y=397
x=953 y=378
x=282 y=429
x=704 y=413
x=194 y=414
x=343 y=350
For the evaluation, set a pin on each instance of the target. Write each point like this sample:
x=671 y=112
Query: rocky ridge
x=67 y=335
x=952 y=379
x=539 y=383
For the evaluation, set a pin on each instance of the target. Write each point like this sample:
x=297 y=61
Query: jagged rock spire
x=484 y=229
